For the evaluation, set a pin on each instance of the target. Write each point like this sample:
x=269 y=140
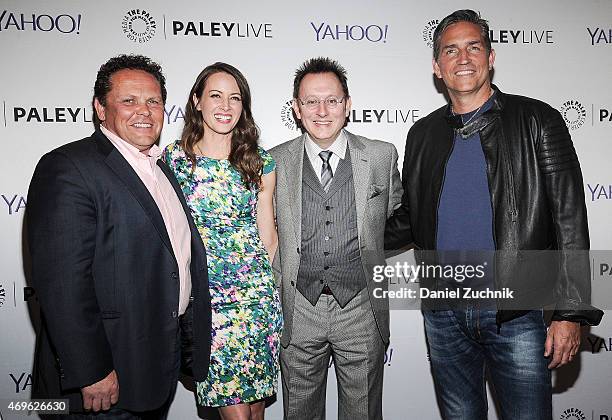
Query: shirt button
x=327 y=238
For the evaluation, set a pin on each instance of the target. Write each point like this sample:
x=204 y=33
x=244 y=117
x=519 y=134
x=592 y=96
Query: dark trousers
x=184 y=351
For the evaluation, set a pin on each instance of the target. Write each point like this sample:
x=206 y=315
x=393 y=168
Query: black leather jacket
x=537 y=197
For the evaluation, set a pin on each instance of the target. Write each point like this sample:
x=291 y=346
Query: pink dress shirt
x=168 y=204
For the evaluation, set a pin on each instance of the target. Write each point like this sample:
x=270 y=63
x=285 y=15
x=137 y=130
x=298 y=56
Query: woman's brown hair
x=243 y=153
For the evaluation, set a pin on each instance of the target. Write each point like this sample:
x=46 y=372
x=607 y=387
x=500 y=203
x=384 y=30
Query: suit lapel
x=360 y=162
x=295 y=164
x=128 y=176
x=342 y=174
x=310 y=178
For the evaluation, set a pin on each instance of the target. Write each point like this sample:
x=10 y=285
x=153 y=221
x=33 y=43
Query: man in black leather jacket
x=499 y=173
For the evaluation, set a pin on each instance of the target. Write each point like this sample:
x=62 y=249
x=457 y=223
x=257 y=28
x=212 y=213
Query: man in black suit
x=117 y=262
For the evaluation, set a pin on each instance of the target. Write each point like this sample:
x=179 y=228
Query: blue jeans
x=463 y=343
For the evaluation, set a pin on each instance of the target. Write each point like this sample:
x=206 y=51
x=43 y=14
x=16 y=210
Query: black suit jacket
x=107 y=279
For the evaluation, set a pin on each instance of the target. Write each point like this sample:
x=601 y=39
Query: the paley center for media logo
x=139 y=26
x=2 y=295
x=572 y=414
x=573 y=113
x=428 y=32
x=287 y=116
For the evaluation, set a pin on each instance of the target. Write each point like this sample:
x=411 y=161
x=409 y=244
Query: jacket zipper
x=511 y=196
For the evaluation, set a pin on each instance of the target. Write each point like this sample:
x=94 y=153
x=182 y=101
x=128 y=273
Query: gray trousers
x=350 y=336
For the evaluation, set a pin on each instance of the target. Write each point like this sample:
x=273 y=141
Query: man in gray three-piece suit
x=334 y=192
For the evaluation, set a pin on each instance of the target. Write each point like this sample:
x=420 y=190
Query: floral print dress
x=246 y=312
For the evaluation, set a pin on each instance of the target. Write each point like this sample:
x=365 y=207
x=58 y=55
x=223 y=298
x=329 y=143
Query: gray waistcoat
x=329 y=253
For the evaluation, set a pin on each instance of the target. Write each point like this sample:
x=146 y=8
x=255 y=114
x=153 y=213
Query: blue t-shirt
x=465 y=215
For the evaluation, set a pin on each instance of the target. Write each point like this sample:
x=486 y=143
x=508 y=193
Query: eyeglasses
x=312 y=102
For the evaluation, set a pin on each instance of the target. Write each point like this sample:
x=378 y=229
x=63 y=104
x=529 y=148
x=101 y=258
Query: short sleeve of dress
x=268 y=161
x=167 y=153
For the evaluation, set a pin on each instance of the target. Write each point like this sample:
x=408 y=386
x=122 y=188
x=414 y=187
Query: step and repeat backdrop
x=559 y=51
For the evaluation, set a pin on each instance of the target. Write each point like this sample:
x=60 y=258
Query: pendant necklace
x=469 y=119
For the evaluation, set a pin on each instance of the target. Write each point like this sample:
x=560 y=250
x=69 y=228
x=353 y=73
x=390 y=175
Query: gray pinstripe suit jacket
x=378 y=192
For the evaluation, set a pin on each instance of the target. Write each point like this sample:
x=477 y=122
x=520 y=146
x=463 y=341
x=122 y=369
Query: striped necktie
x=326 y=171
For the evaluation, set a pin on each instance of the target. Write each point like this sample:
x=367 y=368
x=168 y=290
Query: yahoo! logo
x=64 y=23
x=600 y=191
x=372 y=33
x=599 y=344
x=22 y=381
x=14 y=203
x=174 y=113
x=600 y=36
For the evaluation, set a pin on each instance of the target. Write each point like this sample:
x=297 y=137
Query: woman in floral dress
x=228 y=182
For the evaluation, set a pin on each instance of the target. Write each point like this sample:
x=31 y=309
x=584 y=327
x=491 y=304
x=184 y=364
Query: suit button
x=326 y=267
x=328 y=208
x=174 y=275
x=326 y=253
x=174 y=314
x=292 y=283
x=327 y=222
x=321 y=281
x=297 y=250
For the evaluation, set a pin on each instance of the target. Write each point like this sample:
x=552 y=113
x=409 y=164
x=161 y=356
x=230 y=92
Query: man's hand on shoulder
x=102 y=394
x=563 y=342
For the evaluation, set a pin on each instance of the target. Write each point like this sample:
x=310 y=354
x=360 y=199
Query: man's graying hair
x=465 y=15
